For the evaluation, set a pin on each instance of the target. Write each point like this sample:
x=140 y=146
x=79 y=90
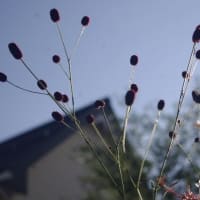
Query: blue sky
x=158 y=31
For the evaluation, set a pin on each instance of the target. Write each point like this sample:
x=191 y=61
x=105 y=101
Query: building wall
x=57 y=175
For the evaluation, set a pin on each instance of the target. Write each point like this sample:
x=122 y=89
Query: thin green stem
x=69 y=67
x=29 y=69
x=148 y=148
x=62 y=68
x=77 y=41
x=103 y=140
x=120 y=172
x=24 y=89
x=109 y=126
x=189 y=159
x=67 y=125
x=137 y=189
x=87 y=140
x=128 y=109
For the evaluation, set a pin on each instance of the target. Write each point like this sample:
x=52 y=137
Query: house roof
x=19 y=153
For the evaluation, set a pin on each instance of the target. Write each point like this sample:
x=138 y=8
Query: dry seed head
x=85 y=21
x=57 y=116
x=15 y=51
x=42 y=84
x=3 y=77
x=54 y=14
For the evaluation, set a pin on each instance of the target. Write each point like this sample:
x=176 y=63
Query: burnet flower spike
x=17 y=54
x=85 y=21
x=57 y=116
x=3 y=77
x=42 y=84
x=56 y=58
x=161 y=104
x=54 y=14
x=15 y=51
x=134 y=60
x=65 y=98
x=130 y=97
x=196 y=35
x=198 y=54
x=58 y=96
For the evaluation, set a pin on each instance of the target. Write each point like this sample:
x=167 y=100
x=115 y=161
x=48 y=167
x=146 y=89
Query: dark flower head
x=54 y=14
x=58 y=96
x=99 y=104
x=196 y=96
x=184 y=74
x=197 y=139
x=161 y=104
x=134 y=60
x=56 y=58
x=57 y=116
x=15 y=51
x=90 y=118
x=65 y=98
x=196 y=35
x=172 y=134
x=134 y=87
x=3 y=77
x=198 y=54
x=85 y=21
x=130 y=97
x=42 y=84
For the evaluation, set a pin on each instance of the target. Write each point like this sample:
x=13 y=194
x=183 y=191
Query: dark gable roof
x=18 y=153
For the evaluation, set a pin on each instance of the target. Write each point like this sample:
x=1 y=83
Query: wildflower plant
x=118 y=153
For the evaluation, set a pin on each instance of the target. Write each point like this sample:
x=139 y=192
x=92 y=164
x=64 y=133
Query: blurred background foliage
x=182 y=169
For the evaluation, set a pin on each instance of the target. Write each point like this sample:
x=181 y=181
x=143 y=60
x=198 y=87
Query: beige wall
x=57 y=174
